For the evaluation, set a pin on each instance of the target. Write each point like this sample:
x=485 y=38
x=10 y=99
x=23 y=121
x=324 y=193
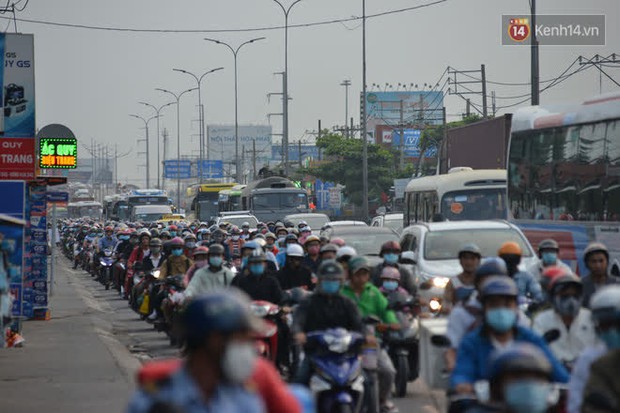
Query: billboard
x=418 y=107
x=221 y=140
x=411 y=146
x=307 y=151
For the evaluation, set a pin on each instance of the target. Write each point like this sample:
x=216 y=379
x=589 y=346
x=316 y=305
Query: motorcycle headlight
x=156 y=273
x=259 y=310
x=434 y=305
x=440 y=282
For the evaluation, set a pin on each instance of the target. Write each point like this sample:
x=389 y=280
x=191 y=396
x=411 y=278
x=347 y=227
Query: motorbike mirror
x=551 y=335
x=440 y=340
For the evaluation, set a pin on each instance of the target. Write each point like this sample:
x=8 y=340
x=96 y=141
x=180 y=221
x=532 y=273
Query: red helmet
x=550 y=274
x=390 y=246
x=108 y=228
x=338 y=241
x=390 y=273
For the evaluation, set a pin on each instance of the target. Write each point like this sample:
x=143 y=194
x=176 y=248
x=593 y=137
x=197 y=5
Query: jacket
x=174 y=265
x=205 y=280
x=263 y=287
x=603 y=386
x=371 y=302
x=291 y=278
x=324 y=311
x=528 y=286
x=589 y=287
x=474 y=351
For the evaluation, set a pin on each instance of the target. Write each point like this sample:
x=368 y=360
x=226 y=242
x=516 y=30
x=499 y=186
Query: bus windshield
x=474 y=204
x=280 y=200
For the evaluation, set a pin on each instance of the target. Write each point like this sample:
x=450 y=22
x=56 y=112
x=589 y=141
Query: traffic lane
x=146 y=343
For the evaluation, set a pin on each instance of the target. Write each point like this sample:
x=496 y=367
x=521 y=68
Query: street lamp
x=201 y=120
x=146 y=126
x=157 y=110
x=177 y=98
x=285 y=91
x=346 y=84
x=235 y=52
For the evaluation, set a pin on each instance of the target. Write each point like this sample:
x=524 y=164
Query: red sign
x=17 y=158
x=519 y=29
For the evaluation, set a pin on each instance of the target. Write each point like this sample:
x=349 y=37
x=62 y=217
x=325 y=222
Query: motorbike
x=337 y=381
x=267 y=340
x=370 y=367
x=402 y=345
x=105 y=268
x=172 y=285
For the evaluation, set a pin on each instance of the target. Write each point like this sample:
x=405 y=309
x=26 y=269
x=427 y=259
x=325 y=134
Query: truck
x=273 y=198
x=479 y=145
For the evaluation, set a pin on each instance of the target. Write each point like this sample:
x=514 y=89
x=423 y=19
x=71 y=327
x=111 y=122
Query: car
x=394 y=221
x=366 y=240
x=149 y=213
x=436 y=244
x=238 y=220
x=327 y=228
x=314 y=220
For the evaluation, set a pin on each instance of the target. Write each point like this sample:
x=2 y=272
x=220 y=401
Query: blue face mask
x=390 y=285
x=177 y=252
x=92 y=235
x=611 y=338
x=123 y=237
x=215 y=261
x=257 y=269
x=390 y=258
x=501 y=319
x=244 y=262
x=330 y=286
x=549 y=257
x=173 y=234
x=527 y=396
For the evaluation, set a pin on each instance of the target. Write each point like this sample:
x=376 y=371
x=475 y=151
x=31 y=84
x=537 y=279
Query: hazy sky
x=92 y=80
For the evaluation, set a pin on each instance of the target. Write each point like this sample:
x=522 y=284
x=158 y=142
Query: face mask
x=549 y=257
x=611 y=338
x=501 y=319
x=257 y=269
x=177 y=252
x=390 y=285
x=390 y=258
x=238 y=362
x=201 y=263
x=192 y=228
x=155 y=250
x=235 y=237
x=314 y=250
x=330 y=286
x=124 y=237
x=190 y=245
x=527 y=396
x=215 y=261
x=92 y=235
x=567 y=306
x=244 y=262
x=173 y=234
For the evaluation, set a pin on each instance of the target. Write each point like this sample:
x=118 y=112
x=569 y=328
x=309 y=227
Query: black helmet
x=154 y=233
x=290 y=237
x=216 y=249
x=155 y=242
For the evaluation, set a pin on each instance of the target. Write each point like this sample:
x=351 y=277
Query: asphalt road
x=144 y=343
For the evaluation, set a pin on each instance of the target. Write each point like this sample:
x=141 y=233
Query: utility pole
x=165 y=138
x=493 y=104
x=468 y=108
x=253 y=159
x=346 y=84
x=402 y=136
x=534 y=56
x=364 y=126
x=484 y=90
x=597 y=61
x=319 y=137
x=299 y=151
x=467 y=91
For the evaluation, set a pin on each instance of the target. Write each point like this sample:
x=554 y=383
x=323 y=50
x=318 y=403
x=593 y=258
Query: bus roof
x=215 y=187
x=601 y=107
x=458 y=180
x=148 y=192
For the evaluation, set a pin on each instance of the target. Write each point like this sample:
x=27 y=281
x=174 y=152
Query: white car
x=394 y=221
x=314 y=220
x=238 y=220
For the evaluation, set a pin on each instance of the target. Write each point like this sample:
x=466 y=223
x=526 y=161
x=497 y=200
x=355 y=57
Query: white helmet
x=294 y=250
x=346 y=251
x=605 y=304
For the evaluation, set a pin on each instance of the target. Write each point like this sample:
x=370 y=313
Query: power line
x=238 y=30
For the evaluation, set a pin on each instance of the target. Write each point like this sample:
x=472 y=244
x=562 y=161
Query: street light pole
x=178 y=98
x=146 y=127
x=346 y=84
x=285 y=91
x=157 y=110
x=235 y=52
x=364 y=126
x=201 y=117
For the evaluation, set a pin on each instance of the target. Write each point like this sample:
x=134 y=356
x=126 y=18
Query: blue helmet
x=498 y=285
x=519 y=358
x=491 y=266
x=222 y=311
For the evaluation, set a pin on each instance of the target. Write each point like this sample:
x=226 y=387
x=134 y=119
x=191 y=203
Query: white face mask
x=239 y=361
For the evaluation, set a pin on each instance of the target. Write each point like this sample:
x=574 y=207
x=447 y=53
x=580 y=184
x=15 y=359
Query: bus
x=564 y=176
x=85 y=209
x=204 y=199
x=461 y=194
x=230 y=199
x=272 y=198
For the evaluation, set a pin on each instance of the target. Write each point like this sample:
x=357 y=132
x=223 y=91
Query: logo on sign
x=519 y=29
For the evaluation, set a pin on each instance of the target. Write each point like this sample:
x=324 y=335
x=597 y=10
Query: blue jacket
x=473 y=355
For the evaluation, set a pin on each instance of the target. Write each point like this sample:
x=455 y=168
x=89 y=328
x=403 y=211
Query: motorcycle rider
x=328 y=252
x=257 y=284
x=190 y=243
x=498 y=295
x=312 y=246
x=155 y=257
x=573 y=322
x=138 y=253
x=390 y=282
x=214 y=275
x=271 y=243
x=235 y=242
x=596 y=258
x=324 y=309
x=245 y=230
x=201 y=259
x=220 y=358
x=548 y=252
x=294 y=273
x=218 y=237
x=370 y=301
x=288 y=240
x=390 y=252
x=469 y=257
x=527 y=284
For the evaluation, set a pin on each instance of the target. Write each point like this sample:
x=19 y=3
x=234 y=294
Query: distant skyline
x=91 y=80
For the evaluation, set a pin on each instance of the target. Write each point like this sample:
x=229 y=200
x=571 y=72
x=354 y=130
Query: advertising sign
x=57 y=197
x=58 y=153
x=12 y=239
x=411 y=144
x=35 y=256
x=12 y=205
x=307 y=151
x=335 y=197
x=177 y=169
x=222 y=142
x=212 y=169
x=17 y=158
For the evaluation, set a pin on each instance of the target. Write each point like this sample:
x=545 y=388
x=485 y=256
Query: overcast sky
x=91 y=80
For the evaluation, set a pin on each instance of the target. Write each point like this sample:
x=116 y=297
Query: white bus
x=461 y=194
x=564 y=175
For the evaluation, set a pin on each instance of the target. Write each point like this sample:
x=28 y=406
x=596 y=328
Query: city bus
x=461 y=194
x=230 y=199
x=564 y=176
x=204 y=199
x=85 y=209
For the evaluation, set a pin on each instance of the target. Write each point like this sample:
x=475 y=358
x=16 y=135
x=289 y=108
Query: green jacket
x=371 y=302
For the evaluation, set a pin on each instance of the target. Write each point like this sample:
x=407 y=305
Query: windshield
x=280 y=200
x=238 y=221
x=394 y=223
x=314 y=222
x=155 y=216
x=474 y=204
x=444 y=245
x=207 y=209
x=366 y=243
